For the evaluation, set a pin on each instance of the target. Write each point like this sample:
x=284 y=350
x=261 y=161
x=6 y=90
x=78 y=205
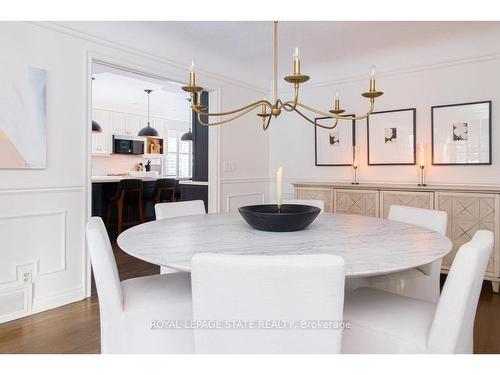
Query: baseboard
x=57 y=300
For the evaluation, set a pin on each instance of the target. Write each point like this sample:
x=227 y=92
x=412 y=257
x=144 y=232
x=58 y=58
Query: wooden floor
x=74 y=328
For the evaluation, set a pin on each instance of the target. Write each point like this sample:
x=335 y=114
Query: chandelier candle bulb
x=296 y=62
x=337 y=99
x=372 y=77
x=279 y=187
x=192 y=75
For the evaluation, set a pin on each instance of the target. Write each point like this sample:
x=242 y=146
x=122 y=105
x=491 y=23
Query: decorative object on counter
x=279 y=187
x=23 y=123
x=279 y=217
x=96 y=128
x=421 y=165
x=334 y=147
x=141 y=167
x=277 y=105
x=461 y=134
x=148 y=131
x=148 y=166
x=188 y=136
x=391 y=137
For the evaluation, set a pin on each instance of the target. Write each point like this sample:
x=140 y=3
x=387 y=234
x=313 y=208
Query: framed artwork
x=23 y=118
x=461 y=134
x=334 y=147
x=391 y=137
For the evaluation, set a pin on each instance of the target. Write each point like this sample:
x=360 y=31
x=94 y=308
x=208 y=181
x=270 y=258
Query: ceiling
x=244 y=50
x=124 y=91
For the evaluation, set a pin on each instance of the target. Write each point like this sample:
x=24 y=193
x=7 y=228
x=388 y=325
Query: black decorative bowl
x=291 y=217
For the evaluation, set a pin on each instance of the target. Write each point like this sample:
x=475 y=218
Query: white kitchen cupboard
x=469 y=209
x=101 y=142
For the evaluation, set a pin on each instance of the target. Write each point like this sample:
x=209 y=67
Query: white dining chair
x=175 y=209
x=171 y=210
x=383 y=322
x=308 y=202
x=131 y=310
x=421 y=282
x=267 y=290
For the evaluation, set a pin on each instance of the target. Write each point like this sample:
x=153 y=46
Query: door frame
x=163 y=70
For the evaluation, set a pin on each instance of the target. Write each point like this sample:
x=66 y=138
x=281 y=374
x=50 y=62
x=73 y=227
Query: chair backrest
x=164 y=189
x=104 y=266
x=176 y=209
x=131 y=189
x=308 y=202
x=429 y=219
x=453 y=324
x=268 y=291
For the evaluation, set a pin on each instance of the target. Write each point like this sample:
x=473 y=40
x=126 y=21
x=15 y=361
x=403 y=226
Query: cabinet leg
x=496 y=286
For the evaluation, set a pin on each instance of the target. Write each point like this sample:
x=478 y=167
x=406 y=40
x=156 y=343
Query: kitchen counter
x=190 y=182
x=103 y=179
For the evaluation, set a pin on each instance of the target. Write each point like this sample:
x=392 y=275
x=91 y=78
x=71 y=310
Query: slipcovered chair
x=129 y=309
x=421 y=282
x=383 y=322
x=261 y=288
x=176 y=209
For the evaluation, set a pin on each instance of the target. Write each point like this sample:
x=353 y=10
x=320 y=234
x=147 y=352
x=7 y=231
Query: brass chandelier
x=274 y=109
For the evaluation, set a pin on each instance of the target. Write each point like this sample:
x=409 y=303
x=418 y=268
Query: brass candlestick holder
x=355 y=181
x=422 y=176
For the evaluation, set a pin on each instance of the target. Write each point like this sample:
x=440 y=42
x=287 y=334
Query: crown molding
x=53 y=26
x=398 y=72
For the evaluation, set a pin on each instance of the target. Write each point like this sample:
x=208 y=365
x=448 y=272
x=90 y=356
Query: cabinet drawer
x=320 y=194
x=419 y=199
x=359 y=202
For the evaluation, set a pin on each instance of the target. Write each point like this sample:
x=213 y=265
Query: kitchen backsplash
x=115 y=163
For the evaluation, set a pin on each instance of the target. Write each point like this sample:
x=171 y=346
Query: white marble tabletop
x=369 y=246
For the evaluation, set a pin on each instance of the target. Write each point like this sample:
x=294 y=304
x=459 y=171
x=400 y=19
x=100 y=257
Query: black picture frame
x=414 y=119
x=340 y=122
x=489 y=102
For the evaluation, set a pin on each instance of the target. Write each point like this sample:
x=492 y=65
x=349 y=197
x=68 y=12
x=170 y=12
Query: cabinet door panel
x=417 y=199
x=467 y=213
x=321 y=194
x=359 y=202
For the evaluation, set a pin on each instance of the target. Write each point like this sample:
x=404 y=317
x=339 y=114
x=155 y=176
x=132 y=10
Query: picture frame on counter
x=334 y=147
x=391 y=137
x=461 y=134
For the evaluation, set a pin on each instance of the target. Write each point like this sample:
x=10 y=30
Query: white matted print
x=334 y=147
x=391 y=137
x=23 y=117
x=461 y=134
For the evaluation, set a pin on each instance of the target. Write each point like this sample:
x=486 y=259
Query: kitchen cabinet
x=101 y=142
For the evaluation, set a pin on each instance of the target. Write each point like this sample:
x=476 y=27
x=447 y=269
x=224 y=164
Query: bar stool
x=128 y=194
x=164 y=191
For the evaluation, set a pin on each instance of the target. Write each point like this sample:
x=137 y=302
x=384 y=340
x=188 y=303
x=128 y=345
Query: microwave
x=128 y=145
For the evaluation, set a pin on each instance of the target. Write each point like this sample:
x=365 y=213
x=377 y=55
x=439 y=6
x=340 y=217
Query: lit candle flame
x=373 y=71
x=296 y=53
x=192 y=66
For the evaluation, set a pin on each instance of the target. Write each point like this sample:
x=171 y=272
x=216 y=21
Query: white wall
x=43 y=212
x=292 y=139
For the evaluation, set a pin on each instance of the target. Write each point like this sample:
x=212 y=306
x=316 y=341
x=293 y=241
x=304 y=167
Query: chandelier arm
x=252 y=105
x=338 y=117
x=227 y=120
x=315 y=123
x=266 y=122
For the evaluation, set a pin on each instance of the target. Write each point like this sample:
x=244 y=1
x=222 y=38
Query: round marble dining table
x=369 y=246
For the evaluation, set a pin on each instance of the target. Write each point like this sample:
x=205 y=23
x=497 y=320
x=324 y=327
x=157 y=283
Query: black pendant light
x=188 y=136
x=96 y=128
x=148 y=131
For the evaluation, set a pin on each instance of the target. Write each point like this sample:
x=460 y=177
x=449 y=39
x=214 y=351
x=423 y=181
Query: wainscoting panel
x=43 y=259
x=237 y=193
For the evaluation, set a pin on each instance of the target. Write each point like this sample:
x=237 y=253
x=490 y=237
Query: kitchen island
x=105 y=187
